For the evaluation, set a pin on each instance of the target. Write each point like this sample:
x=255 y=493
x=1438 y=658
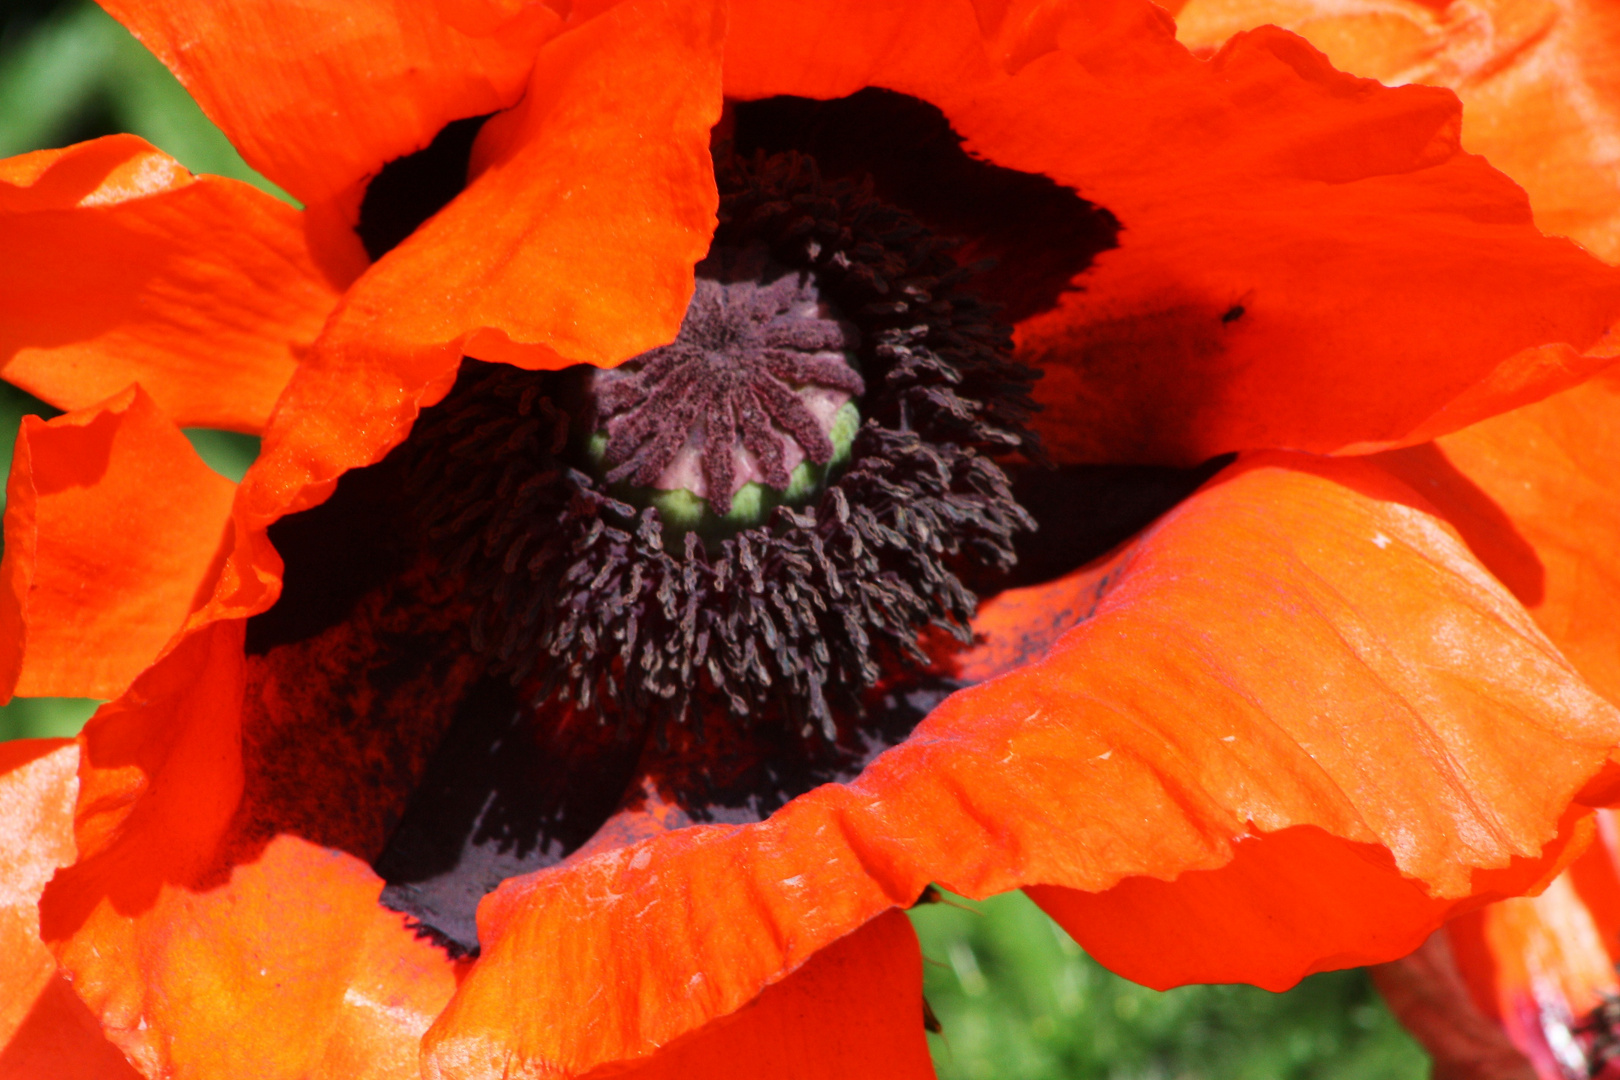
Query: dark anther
x=1600 y=1034
x=931 y=894
x=584 y=599
x=755 y=378
x=930 y=1018
x=1233 y=313
x=411 y=189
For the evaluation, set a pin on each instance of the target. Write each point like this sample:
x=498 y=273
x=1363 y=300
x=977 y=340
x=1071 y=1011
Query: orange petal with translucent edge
x=854 y=1011
x=46 y=1033
x=1307 y=259
x=114 y=533
x=319 y=96
x=1539 y=82
x=1536 y=493
x=589 y=204
x=1348 y=904
x=1539 y=965
x=119 y=266
x=1300 y=644
x=207 y=952
x=287 y=968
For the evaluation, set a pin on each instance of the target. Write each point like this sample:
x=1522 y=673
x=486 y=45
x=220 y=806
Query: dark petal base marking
x=1084 y=511
x=409 y=190
x=1038 y=235
x=509 y=791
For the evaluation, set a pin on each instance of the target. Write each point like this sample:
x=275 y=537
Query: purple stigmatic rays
x=745 y=393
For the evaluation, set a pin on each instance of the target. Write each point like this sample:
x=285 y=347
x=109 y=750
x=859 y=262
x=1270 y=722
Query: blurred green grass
x=69 y=72
x=1016 y=997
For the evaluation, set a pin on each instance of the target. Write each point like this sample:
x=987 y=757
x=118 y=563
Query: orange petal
x=1300 y=649
x=319 y=96
x=45 y=1031
x=1536 y=493
x=119 y=266
x=853 y=1011
x=1539 y=82
x=1307 y=259
x=1595 y=877
x=37 y=788
x=288 y=968
x=113 y=535
x=207 y=951
x=1347 y=905
x=603 y=176
x=60 y=1040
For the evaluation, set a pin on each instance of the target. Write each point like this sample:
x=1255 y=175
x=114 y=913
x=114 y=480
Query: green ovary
x=683 y=512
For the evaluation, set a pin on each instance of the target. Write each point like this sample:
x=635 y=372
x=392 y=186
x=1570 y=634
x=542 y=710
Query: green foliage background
x=1016 y=997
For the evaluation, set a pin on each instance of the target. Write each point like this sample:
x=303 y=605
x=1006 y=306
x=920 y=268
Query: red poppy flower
x=1285 y=729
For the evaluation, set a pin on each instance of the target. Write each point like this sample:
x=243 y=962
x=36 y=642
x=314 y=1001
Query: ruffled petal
x=289 y=968
x=114 y=533
x=45 y=1031
x=319 y=96
x=1536 y=494
x=1539 y=82
x=1307 y=259
x=601 y=178
x=574 y=244
x=119 y=266
x=206 y=950
x=1360 y=691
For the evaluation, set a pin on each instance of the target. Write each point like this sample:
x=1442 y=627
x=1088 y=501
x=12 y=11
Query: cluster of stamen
x=1600 y=1030
x=590 y=596
x=747 y=391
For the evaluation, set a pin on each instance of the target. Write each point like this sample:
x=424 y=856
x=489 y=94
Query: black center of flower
x=506 y=642
x=755 y=393
x=796 y=609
